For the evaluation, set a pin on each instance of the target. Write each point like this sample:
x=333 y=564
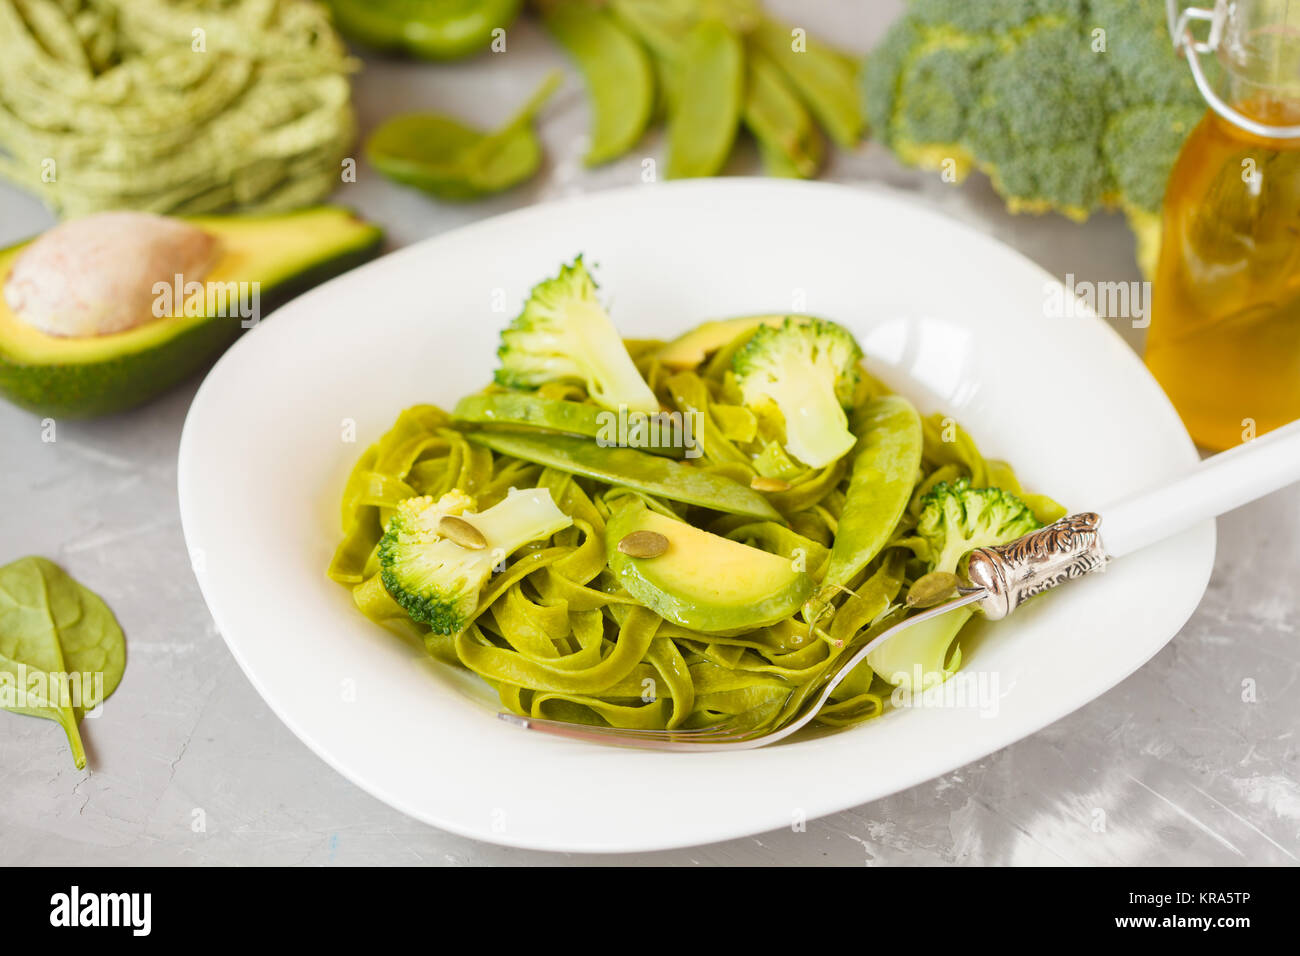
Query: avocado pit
x=98 y=275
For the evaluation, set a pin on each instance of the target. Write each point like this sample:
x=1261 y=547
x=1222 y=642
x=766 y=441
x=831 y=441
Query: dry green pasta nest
x=558 y=637
x=172 y=106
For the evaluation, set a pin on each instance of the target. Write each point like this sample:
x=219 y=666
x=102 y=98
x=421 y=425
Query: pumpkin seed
x=763 y=483
x=461 y=532
x=643 y=544
x=933 y=588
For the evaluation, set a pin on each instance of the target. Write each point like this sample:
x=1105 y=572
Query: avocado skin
x=92 y=389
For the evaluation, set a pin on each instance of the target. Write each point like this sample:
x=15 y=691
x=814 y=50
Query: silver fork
x=1004 y=577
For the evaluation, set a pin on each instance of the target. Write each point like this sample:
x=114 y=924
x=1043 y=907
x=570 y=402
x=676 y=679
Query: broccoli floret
x=807 y=371
x=1071 y=105
x=436 y=580
x=565 y=335
x=955 y=520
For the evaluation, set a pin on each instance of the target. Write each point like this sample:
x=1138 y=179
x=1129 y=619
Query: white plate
x=946 y=314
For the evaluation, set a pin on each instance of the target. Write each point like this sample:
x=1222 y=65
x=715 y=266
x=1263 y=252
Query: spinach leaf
x=443 y=156
x=56 y=638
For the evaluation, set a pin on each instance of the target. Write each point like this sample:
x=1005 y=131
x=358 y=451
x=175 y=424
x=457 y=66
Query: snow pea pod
x=618 y=73
x=777 y=163
x=826 y=79
x=788 y=139
x=512 y=408
x=661 y=25
x=629 y=468
x=434 y=29
x=885 y=462
x=550 y=414
x=705 y=110
x=451 y=160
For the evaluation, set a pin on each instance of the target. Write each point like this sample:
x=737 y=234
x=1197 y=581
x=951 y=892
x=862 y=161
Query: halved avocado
x=96 y=375
x=703 y=581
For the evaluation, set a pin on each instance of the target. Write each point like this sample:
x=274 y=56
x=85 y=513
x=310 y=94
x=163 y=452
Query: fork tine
x=605 y=736
x=689 y=737
x=541 y=723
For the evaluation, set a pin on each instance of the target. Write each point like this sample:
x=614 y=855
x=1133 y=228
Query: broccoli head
x=955 y=520
x=1071 y=105
x=437 y=580
x=565 y=335
x=806 y=370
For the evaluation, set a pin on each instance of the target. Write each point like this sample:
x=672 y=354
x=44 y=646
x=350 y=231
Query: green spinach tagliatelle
x=557 y=636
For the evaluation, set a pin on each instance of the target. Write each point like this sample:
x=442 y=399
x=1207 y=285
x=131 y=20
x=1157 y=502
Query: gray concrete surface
x=1191 y=760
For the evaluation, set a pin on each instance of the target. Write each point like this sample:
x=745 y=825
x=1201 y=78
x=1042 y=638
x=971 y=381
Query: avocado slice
x=97 y=375
x=705 y=582
x=689 y=350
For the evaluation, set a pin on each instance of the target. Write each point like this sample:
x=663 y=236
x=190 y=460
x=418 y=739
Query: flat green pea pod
x=706 y=108
x=776 y=163
x=433 y=29
x=885 y=462
x=618 y=72
x=527 y=411
x=450 y=160
x=662 y=25
x=629 y=468
x=788 y=139
x=825 y=79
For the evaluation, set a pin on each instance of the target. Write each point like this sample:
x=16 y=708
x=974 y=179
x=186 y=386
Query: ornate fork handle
x=1012 y=573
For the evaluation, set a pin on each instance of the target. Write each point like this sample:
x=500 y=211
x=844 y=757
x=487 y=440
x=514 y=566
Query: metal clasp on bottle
x=1180 y=29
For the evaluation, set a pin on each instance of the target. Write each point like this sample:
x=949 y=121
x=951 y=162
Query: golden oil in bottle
x=1224 y=340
